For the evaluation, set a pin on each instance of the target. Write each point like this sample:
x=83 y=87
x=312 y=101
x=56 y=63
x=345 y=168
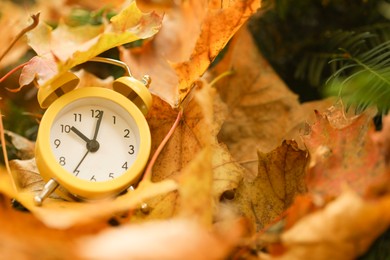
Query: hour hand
x=81 y=135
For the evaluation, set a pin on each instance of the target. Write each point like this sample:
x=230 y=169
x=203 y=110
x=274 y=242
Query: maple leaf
x=65 y=47
x=261 y=111
x=263 y=197
x=192 y=36
x=342 y=153
x=202 y=118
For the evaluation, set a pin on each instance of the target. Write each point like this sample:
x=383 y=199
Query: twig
x=34 y=24
x=4 y=149
x=148 y=172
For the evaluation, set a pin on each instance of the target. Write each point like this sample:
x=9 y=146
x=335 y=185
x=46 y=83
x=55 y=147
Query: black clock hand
x=98 y=126
x=81 y=135
x=78 y=165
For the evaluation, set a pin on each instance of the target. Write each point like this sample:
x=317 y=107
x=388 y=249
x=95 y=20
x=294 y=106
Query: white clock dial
x=94 y=139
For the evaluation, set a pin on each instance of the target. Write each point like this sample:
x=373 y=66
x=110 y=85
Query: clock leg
x=48 y=189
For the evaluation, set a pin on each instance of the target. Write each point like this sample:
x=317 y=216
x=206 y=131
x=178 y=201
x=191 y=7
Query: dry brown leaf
x=25 y=149
x=192 y=35
x=173 y=239
x=88 y=79
x=261 y=108
x=280 y=178
x=344 y=229
x=227 y=173
x=26 y=175
x=202 y=119
x=342 y=153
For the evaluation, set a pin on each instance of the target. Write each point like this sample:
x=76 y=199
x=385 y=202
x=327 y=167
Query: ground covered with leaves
x=247 y=171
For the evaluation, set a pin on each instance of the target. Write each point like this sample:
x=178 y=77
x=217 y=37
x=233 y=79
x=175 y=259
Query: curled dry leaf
x=65 y=47
x=192 y=35
x=280 y=178
x=25 y=149
x=342 y=153
x=26 y=175
x=344 y=229
x=155 y=239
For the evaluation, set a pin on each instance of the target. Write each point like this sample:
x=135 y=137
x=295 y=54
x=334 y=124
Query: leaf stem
x=148 y=172
x=220 y=76
x=13 y=71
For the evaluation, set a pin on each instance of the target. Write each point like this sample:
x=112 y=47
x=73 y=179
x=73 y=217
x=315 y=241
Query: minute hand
x=99 y=121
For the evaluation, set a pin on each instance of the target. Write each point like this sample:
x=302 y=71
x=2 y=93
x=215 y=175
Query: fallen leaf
x=192 y=35
x=227 y=173
x=263 y=197
x=344 y=229
x=67 y=46
x=26 y=175
x=202 y=119
x=262 y=110
x=25 y=149
x=197 y=130
x=342 y=153
x=88 y=79
x=60 y=214
x=172 y=239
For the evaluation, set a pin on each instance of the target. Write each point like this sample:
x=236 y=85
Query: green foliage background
x=300 y=38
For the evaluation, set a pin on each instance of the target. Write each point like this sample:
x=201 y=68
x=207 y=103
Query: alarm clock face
x=94 y=139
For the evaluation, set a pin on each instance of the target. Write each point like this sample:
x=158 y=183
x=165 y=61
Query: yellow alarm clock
x=93 y=143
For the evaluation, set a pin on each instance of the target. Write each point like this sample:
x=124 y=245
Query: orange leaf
x=191 y=37
x=344 y=229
